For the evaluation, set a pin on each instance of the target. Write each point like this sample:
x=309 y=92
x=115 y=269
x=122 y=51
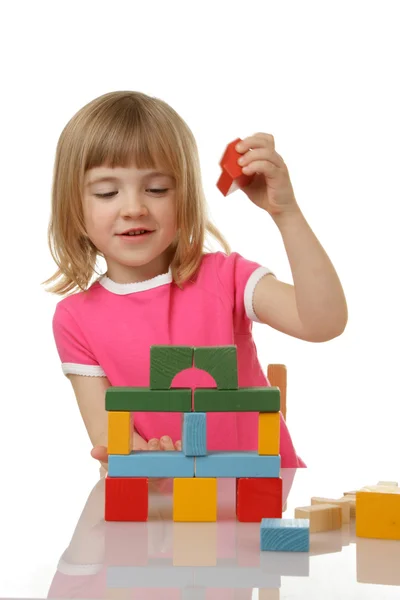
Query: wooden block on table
x=352 y=501
x=277 y=376
x=195 y=500
x=322 y=517
x=269 y=427
x=120 y=432
x=166 y=362
x=194 y=434
x=258 y=498
x=151 y=464
x=132 y=399
x=389 y=483
x=126 y=499
x=220 y=362
x=285 y=535
x=383 y=489
x=344 y=503
x=254 y=399
x=237 y=464
x=378 y=515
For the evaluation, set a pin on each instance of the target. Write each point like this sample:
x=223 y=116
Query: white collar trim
x=139 y=286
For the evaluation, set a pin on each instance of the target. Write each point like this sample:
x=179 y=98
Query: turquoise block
x=150 y=464
x=194 y=434
x=237 y=464
x=285 y=535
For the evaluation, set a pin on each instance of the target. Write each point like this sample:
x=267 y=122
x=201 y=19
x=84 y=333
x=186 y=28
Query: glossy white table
x=190 y=561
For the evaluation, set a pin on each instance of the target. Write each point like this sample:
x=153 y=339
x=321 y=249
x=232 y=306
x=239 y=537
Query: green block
x=254 y=399
x=143 y=399
x=221 y=363
x=166 y=362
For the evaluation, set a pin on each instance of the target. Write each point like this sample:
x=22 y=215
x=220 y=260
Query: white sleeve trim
x=249 y=291
x=68 y=569
x=88 y=370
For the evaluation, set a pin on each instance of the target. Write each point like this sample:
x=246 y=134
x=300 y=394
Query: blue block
x=285 y=535
x=150 y=464
x=237 y=464
x=194 y=439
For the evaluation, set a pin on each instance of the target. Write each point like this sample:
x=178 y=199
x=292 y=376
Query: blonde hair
x=115 y=129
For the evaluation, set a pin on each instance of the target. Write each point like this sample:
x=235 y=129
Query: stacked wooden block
x=194 y=470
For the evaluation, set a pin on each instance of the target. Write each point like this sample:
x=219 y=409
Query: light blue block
x=237 y=464
x=151 y=464
x=194 y=434
x=285 y=535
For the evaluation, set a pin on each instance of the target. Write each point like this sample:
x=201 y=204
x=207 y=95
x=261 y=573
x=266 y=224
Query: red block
x=232 y=176
x=126 y=498
x=258 y=498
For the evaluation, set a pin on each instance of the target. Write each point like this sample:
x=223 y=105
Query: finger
x=178 y=446
x=258 y=140
x=261 y=154
x=153 y=444
x=261 y=166
x=166 y=443
x=99 y=453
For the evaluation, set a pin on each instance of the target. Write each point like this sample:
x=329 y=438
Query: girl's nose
x=134 y=205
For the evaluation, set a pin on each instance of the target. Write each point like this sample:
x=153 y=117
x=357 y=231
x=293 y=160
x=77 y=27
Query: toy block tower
x=195 y=470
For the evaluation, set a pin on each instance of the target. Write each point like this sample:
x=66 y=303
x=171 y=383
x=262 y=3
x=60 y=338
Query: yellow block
x=195 y=499
x=378 y=515
x=119 y=432
x=269 y=428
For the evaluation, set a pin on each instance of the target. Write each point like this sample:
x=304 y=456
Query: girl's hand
x=165 y=443
x=271 y=188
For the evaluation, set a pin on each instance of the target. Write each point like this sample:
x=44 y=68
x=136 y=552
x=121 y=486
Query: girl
x=127 y=187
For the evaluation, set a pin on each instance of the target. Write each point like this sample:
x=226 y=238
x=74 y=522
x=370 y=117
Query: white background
x=322 y=77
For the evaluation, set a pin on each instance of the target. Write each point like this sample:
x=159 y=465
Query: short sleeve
x=239 y=277
x=74 y=352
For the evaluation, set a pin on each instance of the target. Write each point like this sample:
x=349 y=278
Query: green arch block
x=166 y=362
x=220 y=362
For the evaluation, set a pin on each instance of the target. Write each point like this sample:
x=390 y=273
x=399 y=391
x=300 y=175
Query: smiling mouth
x=136 y=233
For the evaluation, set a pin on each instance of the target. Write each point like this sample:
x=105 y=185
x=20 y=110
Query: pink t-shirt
x=108 y=331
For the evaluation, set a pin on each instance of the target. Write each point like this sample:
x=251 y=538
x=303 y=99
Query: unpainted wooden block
x=383 y=489
x=285 y=535
x=389 y=483
x=220 y=362
x=195 y=500
x=344 y=503
x=133 y=399
x=120 y=431
x=269 y=428
x=253 y=399
x=194 y=434
x=322 y=517
x=166 y=362
x=352 y=500
x=378 y=515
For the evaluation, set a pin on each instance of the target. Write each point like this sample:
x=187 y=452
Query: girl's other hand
x=164 y=443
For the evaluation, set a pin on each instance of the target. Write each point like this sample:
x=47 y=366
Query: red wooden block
x=126 y=499
x=258 y=498
x=232 y=176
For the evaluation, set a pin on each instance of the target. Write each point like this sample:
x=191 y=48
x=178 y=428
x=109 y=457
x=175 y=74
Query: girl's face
x=118 y=199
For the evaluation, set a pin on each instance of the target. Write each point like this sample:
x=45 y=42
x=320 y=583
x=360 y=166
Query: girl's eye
x=110 y=194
